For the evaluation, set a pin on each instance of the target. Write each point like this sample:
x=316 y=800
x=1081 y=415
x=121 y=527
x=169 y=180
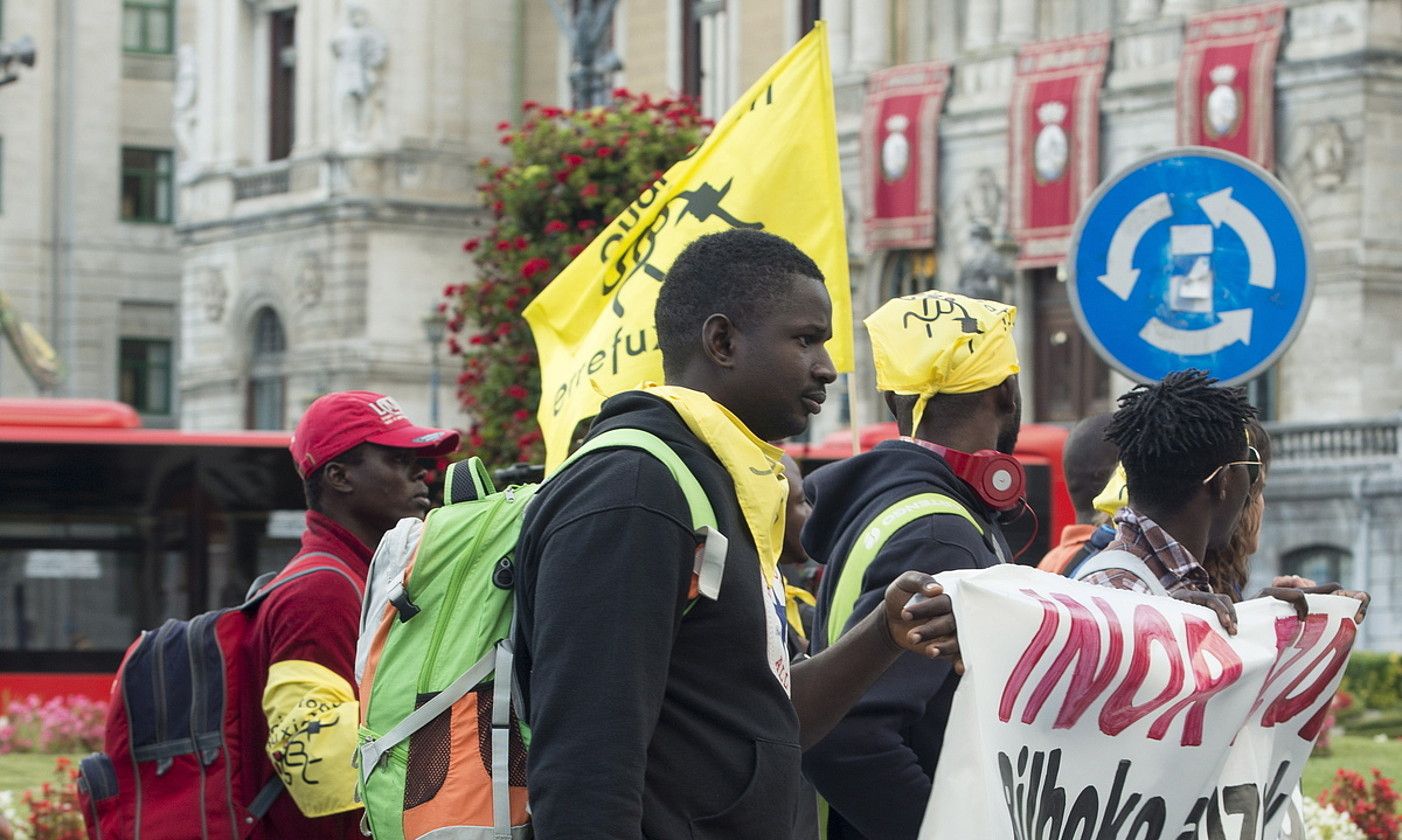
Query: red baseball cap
x=338 y=422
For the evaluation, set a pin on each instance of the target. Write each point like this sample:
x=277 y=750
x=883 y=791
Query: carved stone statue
x=985 y=272
x=360 y=51
x=186 y=119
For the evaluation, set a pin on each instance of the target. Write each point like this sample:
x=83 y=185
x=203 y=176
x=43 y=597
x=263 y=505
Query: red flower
x=498 y=207
x=478 y=339
x=521 y=415
x=521 y=243
x=442 y=308
x=506 y=139
x=515 y=391
x=586 y=143
x=589 y=190
x=472 y=245
x=550 y=111
x=529 y=105
x=603 y=151
x=503 y=245
x=511 y=303
x=572 y=160
x=534 y=266
x=560 y=177
x=586 y=224
x=503 y=125
x=525 y=359
x=449 y=290
x=503 y=329
x=454 y=347
x=622 y=93
x=556 y=226
x=574 y=251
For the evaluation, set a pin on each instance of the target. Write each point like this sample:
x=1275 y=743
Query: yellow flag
x=771 y=164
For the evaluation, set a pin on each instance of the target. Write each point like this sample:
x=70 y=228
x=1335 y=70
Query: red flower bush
x=1373 y=808
x=569 y=174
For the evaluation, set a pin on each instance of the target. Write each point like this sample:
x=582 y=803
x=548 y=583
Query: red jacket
x=315 y=619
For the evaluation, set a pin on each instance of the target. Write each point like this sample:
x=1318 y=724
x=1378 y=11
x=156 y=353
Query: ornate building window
x=908 y=272
x=144 y=374
x=148 y=26
x=1322 y=563
x=146 y=185
x=266 y=405
x=708 y=61
x=282 y=82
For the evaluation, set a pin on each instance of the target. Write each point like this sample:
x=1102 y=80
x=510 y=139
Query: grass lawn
x=24 y=770
x=1357 y=753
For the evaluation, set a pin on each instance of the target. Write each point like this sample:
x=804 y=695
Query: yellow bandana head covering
x=941 y=343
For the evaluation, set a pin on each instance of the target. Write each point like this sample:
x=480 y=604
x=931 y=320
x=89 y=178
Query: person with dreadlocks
x=1192 y=466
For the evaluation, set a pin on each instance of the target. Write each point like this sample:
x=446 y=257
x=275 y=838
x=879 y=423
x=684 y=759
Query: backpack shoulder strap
x=1121 y=561
x=264 y=592
x=467 y=481
x=873 y=538
x=710 y=563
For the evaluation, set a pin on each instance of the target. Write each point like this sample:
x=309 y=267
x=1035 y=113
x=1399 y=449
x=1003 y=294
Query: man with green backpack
x=928 y=501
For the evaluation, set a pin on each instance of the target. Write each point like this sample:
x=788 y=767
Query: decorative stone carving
x=361 y=51
x=983 y=201
x=309 y=281
x=185 y=120
x=211 y=292
x=1323 y=162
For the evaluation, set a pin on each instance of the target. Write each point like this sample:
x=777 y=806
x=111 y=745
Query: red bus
x=107 y=528
x=1032 y=533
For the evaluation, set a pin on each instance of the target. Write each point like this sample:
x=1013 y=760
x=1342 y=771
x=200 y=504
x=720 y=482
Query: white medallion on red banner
x=900 y=137
x=1226 y=83
x=1054 y=142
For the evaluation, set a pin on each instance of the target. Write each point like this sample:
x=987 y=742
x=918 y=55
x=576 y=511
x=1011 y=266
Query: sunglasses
x=1253 y=466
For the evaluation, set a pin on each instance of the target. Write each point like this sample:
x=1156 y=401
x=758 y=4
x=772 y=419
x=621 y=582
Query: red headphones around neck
x=997 y=478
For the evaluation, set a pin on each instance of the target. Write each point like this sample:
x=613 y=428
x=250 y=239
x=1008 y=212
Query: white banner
x=1089 y=713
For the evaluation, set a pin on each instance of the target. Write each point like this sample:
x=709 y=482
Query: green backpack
x=441 y=746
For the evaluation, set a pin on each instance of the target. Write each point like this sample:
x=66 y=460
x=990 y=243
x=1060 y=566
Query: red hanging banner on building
x=1053 y=142
x=900 y=147
x=1226 y=83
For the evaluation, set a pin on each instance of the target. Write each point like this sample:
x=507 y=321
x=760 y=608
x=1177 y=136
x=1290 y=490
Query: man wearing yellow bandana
x=657 y=711
x=947 y=368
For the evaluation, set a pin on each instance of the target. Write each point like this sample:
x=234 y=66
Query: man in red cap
x=361 y=465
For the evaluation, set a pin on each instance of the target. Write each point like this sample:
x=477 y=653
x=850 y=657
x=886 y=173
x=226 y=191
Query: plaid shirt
x=1166 y=557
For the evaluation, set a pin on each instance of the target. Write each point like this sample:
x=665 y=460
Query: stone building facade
x=88 y=254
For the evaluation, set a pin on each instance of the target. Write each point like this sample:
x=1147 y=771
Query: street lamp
x=594 y=62
x=22 y=50
x=435 y=328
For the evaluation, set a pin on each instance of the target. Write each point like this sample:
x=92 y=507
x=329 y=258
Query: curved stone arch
x=262 y=379
x=1320 y=561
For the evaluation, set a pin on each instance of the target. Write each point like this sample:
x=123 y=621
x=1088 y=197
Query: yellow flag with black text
x=769 y=164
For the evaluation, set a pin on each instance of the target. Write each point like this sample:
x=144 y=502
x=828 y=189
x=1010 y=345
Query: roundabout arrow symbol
x=1234 y=326
x=1120 y=273
x=1221 y=208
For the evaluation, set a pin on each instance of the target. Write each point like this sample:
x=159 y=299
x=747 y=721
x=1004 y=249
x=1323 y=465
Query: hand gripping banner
x=770 y=164
x=1088 y=712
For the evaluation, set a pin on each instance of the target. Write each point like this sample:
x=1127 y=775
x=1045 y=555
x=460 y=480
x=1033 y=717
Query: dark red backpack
x=170 y=768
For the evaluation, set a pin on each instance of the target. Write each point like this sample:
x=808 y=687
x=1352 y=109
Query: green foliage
x=570 y=173
x=1374 y=680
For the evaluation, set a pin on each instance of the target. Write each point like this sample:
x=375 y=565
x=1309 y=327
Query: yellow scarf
x=754 y=467
x=793 y=596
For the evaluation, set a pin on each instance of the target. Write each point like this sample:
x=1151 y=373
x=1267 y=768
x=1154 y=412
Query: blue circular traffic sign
x=1191 y=257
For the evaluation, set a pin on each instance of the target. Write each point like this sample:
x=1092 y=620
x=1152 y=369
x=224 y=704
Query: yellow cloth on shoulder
x=753 y=465
x=793 y=596
x=1115 y=495
x=941 y=343
x=312 y=719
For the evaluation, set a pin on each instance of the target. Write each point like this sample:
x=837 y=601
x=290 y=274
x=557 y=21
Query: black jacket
x=647 y=723
x=875 y=768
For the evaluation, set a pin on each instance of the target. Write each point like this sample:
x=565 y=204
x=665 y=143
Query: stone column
x=1019 y=21
x=838 y=14
x=1138 y=10
x=871 y=35
x=981 y=24
x=944 y=42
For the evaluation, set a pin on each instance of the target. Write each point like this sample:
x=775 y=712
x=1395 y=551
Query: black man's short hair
x=738 y=273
